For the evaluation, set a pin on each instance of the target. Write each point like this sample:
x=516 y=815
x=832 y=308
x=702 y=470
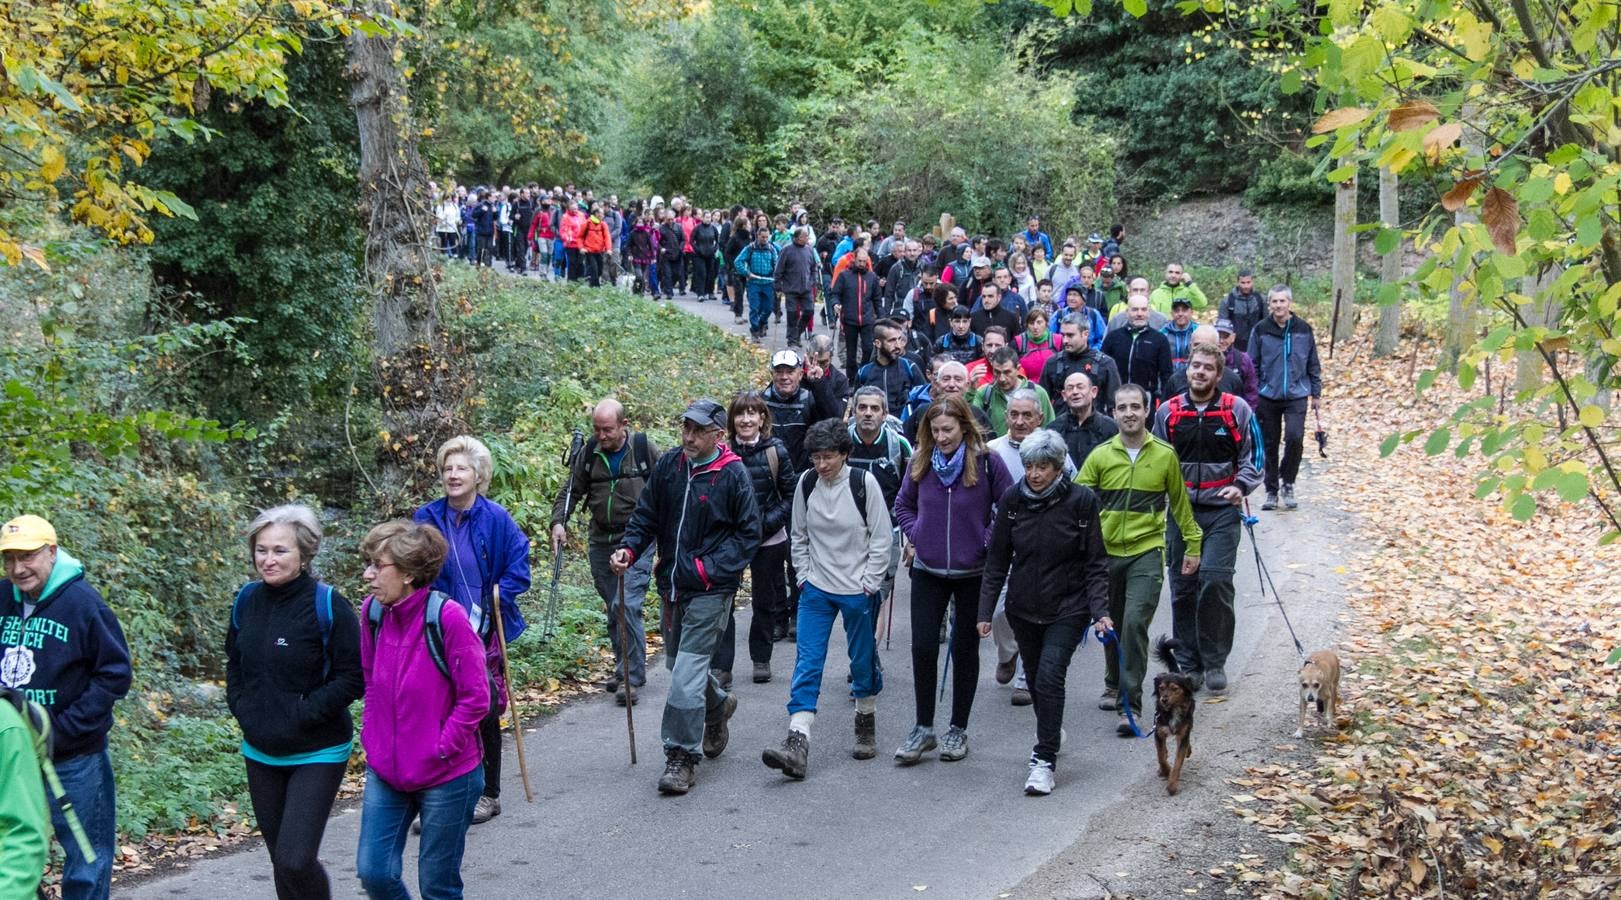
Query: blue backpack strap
x=323 y=617
x=241 y=595
x=433 y=632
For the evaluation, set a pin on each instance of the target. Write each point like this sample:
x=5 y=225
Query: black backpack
x=641 y=461
x=858 y=488
x=433 y=632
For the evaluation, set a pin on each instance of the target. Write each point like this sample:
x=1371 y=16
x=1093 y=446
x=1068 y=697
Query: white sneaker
x=1040 y=782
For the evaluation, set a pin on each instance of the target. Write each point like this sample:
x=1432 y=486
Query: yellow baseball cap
x=27 y=533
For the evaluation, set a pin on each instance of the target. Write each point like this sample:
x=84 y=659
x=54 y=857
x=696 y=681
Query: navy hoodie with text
x=70 y=657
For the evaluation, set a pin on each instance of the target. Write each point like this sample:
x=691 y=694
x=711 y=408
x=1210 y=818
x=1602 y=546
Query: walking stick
x=548 y=622
x=624 y=667
x=512 y=699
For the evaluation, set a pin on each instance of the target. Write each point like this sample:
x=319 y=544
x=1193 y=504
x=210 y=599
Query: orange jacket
x=594 y=236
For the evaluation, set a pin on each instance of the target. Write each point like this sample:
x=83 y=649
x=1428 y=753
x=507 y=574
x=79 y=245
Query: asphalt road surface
x=871 y=828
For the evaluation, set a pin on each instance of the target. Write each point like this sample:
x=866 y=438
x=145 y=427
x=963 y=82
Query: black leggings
x=291 y=804
x=931 y=598
x=489 y=734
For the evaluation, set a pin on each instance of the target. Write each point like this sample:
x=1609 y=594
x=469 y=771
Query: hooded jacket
x=503 y=559
x=572 y=228
x=950 y=527
x=421 y=728
x=25 y=820
x=609 y=495
x=1181 y=341
x=288 y=688
x=70 y=656
x=773 y=494
x=1285 y=357
x=1049 y=552
x=705 y=522
x=594 y=237
x=797 y=269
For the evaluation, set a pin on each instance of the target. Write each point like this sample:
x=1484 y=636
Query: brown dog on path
x=1173 y=714
x=1319 y=687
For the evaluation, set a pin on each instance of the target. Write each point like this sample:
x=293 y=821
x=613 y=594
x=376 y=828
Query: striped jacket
x=1134 y=496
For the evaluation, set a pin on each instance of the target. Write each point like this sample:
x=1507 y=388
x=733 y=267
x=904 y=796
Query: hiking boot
x=1215 y=680
x=1195 y=676
x=792 y=758
x=1005 y=670
x=1289 y=501
x=679 y=771
x=486 y=809
x=954 y=745
x=1109 y=699
x=611 y=685
x=634 y=694
x=919 y=742
x=715 y=733
x=724 y=677
x=762 y=672
x=1271 y=501
x=866 y=736
x=1040 y=782
x=1021 y=697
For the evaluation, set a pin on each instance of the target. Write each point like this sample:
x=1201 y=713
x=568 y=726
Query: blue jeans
x=385 y=821
x=762 y=299
x=88 y=783
x=607 y=584
x=816 y=611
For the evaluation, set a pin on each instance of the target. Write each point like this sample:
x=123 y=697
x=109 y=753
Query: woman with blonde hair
x=292 y=667
x=427 y=690
x=945 y=510
x=485 y=550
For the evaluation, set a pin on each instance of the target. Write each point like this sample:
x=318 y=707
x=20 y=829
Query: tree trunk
x=410 y=359
x=1384 y=344
x=1344 y=276
x=1529 y=366
x=1460 y=331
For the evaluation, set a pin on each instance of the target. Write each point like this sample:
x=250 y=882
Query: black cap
x=1181 y=301
x=707 y=413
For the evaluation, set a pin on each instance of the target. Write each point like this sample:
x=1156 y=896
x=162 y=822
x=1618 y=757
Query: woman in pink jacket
x=427 y=689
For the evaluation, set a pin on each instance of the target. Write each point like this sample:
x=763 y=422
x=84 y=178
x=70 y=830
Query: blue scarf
x=949 y=469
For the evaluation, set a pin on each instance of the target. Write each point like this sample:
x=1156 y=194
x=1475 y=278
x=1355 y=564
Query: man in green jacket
x=1178 y=286
x=1007 y=377
x=25 y=821
x=1136 y=476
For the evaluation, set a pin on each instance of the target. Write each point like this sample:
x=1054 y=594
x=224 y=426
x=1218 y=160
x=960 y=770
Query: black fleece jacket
x=273 y=669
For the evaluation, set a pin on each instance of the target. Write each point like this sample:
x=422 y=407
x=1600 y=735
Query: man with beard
x=890 y=371
x=1077 y=355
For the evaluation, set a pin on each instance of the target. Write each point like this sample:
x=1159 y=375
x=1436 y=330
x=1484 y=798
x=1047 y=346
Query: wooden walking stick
x=624 y=667
x=512 y=698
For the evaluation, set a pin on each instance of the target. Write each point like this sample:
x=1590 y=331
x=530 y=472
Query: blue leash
x=1109 y=637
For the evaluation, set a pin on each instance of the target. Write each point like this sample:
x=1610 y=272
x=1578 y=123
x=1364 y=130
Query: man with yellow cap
x=62 y=648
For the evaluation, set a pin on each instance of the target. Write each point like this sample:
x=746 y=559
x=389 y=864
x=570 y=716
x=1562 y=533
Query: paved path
x=870 y=828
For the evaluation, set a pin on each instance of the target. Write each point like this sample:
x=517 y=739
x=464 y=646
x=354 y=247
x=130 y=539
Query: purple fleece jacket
x=951 y=527
x=420 y=728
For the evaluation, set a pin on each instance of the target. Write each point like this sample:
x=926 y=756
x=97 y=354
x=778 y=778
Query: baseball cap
x=901 y=314
x=786 y=358
x=982 y=262
x=1181 y=301
x=27 y=533
x=1095 y=238
x=1225 y=326
x=707 y=413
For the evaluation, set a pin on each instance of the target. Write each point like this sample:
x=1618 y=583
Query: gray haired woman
x=1047 y=547
x=292 y=667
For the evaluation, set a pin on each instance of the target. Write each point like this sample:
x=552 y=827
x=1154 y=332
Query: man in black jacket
x=855 y=304
x=902 y=276
x=699 y=507
x=992 y=312
x=1141 y=354
x=1077 y=355
x=671 y=270
x=64 y=650
x=1244 y=307
x=1081 y=426
x=890 y=371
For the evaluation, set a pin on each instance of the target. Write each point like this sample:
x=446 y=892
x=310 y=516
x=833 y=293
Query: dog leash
x=1107 y=638
x=1266 y=576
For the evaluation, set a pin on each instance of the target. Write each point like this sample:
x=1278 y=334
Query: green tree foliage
x=898 y=110
x=1194 y=111
x=275 y=239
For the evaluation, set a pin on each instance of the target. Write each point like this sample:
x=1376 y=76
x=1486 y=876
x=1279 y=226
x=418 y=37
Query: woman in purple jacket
x=420 y=731
x=945 y=510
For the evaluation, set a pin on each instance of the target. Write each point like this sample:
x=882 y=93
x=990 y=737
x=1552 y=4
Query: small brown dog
x=1173 y=713
x=1319 y=687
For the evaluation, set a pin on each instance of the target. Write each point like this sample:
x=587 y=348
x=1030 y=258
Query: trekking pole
x=512 y=699
x=1262 y=572
x=548 y=622
x=951 y=641
x=624 y=667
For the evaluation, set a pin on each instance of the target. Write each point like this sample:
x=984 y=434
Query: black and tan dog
x=1173 y=713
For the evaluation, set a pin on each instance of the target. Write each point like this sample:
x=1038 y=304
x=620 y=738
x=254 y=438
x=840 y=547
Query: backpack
x=38 y=722
x=858 y=489
x=641 y=457
x=323 y=616
x=1181 y=411
x=433 y=634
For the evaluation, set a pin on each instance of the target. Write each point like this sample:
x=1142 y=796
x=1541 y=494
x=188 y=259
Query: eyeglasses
x=374 y=564
x=22 y=557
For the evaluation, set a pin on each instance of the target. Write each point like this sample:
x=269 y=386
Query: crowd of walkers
x=1036 y=460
